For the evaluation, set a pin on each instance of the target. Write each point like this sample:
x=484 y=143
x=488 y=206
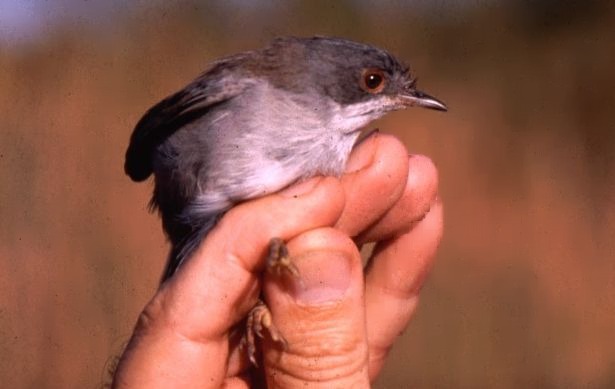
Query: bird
x=256 y=122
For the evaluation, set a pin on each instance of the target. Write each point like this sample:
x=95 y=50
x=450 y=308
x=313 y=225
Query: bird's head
x=362 y=81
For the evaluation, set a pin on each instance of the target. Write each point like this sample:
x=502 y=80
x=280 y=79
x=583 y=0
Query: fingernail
x=362 y=155
x=301 y=188
x=324 y=277
x=368 y=135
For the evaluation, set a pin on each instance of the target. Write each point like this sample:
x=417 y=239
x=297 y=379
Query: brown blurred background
x=523 y=292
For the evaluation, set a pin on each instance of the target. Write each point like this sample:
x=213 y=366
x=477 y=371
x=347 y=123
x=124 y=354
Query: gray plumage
x=255 y=123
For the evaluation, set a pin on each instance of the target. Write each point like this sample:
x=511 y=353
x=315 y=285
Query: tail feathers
x=182 y=250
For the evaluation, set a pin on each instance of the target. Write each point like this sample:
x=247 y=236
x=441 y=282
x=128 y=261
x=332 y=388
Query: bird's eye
x=372 y=80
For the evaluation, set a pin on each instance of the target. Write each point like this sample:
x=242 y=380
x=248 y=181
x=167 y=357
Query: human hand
x=339 y=321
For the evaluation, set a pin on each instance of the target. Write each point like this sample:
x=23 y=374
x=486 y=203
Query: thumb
x=321 y=315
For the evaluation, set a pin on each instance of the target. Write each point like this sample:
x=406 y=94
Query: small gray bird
x=256 y=122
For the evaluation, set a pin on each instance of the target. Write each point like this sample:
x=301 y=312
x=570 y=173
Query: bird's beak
x=415 y=98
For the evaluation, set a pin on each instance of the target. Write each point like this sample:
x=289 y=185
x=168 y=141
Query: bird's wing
x=171 y=114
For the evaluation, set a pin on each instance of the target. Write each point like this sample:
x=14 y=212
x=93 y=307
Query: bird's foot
x=278 y=261
x=259 y=320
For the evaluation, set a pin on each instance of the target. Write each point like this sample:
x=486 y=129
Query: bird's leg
x=279 y=264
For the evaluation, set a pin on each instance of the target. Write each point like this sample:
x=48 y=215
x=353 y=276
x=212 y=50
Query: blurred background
x=523 y=291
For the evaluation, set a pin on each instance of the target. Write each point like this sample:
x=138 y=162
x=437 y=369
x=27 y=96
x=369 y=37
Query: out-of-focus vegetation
x=523 y=293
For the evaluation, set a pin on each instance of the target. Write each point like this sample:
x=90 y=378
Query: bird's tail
x=184 y=248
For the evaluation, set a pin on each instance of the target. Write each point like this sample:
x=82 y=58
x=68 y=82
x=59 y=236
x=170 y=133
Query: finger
x=394 y=278
x=322 y=316
x=376 y=176
x=234 y=253
x=186 y=325
x=419 y=194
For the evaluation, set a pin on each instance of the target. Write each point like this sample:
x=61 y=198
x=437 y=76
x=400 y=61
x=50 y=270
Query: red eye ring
x=372 y=80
